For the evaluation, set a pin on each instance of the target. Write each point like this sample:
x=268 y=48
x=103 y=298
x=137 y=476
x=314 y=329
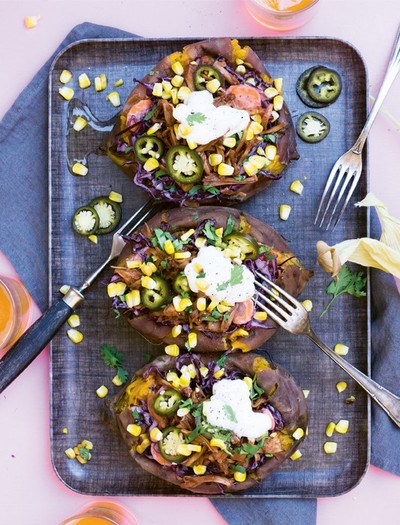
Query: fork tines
x=278 y=309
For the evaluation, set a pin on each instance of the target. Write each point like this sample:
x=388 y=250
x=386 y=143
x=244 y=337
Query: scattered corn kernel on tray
x=78 y=370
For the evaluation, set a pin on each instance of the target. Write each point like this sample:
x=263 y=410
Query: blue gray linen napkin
x=24 y=239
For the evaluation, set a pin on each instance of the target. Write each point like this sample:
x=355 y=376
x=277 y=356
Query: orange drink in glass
x=102 y=513
x=281 y=15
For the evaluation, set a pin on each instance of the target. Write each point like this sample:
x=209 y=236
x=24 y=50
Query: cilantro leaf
x=238 y=468
x=347 y=281
x=196 y=118
x=110 y=356
x=230 y=223
x=122 y=374
x=150 y=113
x=84 y=453
x=230 y=413
x=236 y=275
x=256 y=390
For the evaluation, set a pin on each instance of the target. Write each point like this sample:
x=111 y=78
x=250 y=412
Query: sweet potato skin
x=287 y=397
x=293 y=279
x=216 y=47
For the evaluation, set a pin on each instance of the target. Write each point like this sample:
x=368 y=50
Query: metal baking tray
x=78 y=370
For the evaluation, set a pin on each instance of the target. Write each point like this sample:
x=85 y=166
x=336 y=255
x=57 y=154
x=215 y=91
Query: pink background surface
x=30 y=492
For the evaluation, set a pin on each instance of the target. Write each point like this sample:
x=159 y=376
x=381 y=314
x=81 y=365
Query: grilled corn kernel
x=341 y=386
x=240 y=69
x=115 y=197
x=341 y=349
x=219 y=373
x=117 y=381
x=151 y=164
x=249 y=382
x=214 y=442
x=296 y=187
x=183 y=93
x=249 y=134
x=176 y=330
x=79 y=169
x=192 y=339
x=200 y=242
x=74 y=320
x=308 y=305
x=102 y=391
x=148 y=268
x=87 y=444
x=330 y=429
x=284 y=211
x=74 y=335
x=239 y=476
x=116 y=289
x=219 y=232
x=306 y=393
x=225 y=170
x=169 y=248
x=64 y=289
x=156 y=434
x=213 y=85
x=274 y=116
x=183 y=449
x=298 y=433
x=79 y=124
x=270 y=151
x=134 y=430
x=185 y=236
x=213 y=304
x=223 y=308
x=154 y=128
x=65 y=76
x=257 y=160
x=133 y=263
x=342 y=426
x=65 y=430
x=191 y=144
x=172 y=350
x=114 y=98
x=184 y=130
x=249 y=168
x=240 y=332
x=278 y=102
x=171 y=376
x=251 y=81
x=215 y=159
x=256 y=118
x=119 y=82
x=181 y=256
x=260 y=316
x=84 y=81
x=148 y=283
x=100 y=82
x=256 y=127
x=199 y=470
x=184 y=380
x=66 y=92
x=229 y=142
x=157 y=89
x=349 y=400
x=296 y=455
x=31 y=21
x=177 y=68
x=330 y=447
x=203 y=371
x=271 y=92
x=70 y=453
x=132 y=298
x=177 y=80
x=278 y=83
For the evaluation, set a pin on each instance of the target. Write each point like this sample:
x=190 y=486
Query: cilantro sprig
x=196 y=118
x=113 y=359
x=352 y=283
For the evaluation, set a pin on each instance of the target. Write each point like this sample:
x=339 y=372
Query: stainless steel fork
x=347 y=169
x=32 y=342
x=291 y=315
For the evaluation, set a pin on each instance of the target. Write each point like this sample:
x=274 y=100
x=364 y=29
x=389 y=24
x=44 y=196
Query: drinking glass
x=281 y=15
x=102 y=513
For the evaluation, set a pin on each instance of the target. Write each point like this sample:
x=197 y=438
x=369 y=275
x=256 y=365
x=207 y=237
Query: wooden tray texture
x=78 y=370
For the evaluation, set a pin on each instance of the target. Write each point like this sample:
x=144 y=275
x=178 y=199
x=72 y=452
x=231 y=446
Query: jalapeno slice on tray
x=184 y=165
x=181 y=284
x=158 y=296
x=312 y=127
x=324 y=85
x=204 y=74
x=109 y=213
x=147 y=147
x=168 y=445
x=167 y=402
x=85 y=220
x=301 y=89
x=248 y=246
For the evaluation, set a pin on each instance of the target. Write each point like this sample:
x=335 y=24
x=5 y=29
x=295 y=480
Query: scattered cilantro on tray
x=113 y=359
x=347 y=281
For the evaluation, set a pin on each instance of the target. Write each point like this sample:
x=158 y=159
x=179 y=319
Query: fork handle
x=391 y=72
x=386 y=399
x=32 y=342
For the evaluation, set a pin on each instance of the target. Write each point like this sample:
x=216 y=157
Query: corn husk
x=383 y=254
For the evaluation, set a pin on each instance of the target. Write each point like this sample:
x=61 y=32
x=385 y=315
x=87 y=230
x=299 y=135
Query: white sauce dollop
x=218 y=274
x=215 y=122
x=230 y=408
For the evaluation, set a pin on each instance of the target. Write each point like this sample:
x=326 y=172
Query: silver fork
x=348 y=167
x=291 y=315
x=32 y=342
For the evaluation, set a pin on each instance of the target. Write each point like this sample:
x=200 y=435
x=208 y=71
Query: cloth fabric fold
x=24 y=239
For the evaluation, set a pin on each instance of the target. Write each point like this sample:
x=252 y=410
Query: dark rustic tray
x=77 y=370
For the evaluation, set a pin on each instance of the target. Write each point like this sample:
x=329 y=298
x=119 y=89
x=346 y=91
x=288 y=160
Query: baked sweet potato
x=170 y=244
x=212 y=460
x=161 y=150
